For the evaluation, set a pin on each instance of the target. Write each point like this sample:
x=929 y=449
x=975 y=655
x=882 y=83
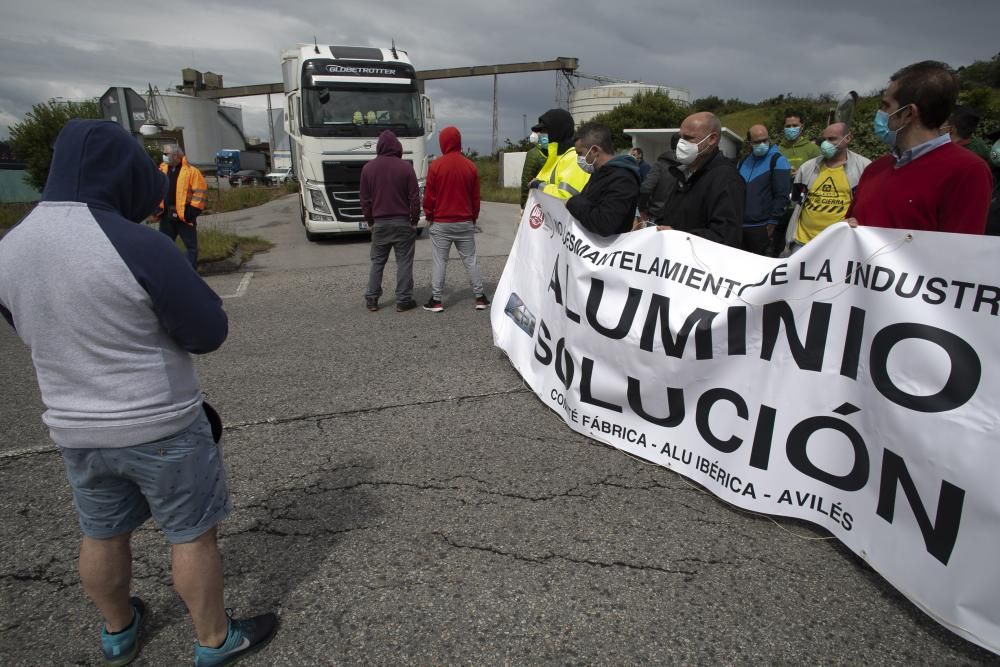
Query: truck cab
x=337 y=101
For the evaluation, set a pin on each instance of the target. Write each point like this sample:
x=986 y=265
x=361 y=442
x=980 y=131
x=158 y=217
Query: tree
x=647 y=110
x=32 y=139
x=981 y=74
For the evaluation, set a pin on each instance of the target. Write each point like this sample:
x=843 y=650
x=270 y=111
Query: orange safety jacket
x=192 y=190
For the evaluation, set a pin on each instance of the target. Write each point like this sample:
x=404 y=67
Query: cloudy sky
x=751 y=49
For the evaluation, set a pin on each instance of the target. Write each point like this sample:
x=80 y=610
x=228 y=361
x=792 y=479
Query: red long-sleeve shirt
x=451 y=193
x=945 y=190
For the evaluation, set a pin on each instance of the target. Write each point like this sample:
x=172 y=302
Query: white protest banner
x=849 y=385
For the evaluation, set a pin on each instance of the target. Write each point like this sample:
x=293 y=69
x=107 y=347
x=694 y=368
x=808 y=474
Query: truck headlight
x=319 y=201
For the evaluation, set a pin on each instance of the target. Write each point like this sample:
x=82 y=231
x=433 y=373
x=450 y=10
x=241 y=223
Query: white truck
x=338 y=99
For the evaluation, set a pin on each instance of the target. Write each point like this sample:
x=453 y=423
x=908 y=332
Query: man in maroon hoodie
x=451 y=206
x=390 y=202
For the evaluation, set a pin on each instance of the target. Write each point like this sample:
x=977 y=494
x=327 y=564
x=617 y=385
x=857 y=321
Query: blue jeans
x=172 y=227
x=180 y=481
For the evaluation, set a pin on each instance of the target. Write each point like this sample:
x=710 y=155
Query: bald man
x=709 y=197
x=768 y=176
x=824 y=187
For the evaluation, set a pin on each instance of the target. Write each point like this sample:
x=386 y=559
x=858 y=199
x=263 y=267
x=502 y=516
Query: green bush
x=647 y=110
x=32 y=139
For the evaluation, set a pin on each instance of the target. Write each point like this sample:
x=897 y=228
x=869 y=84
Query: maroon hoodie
x=452 y=190
x=389 y=184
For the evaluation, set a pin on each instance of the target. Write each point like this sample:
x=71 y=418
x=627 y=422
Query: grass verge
x=10 y=214
x=219 y=201
x=489 y=177
x=248 y=196
x=218 y=244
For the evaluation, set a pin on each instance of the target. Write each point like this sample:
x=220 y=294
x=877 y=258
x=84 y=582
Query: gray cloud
x=752 y=50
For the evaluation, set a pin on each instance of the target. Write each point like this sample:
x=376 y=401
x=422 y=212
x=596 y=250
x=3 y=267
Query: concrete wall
x=511 y=168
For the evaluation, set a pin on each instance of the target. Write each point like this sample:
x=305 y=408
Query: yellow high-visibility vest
x=561 y=173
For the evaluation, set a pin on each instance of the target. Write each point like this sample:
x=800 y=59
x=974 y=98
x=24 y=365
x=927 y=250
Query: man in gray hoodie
x=112 y=313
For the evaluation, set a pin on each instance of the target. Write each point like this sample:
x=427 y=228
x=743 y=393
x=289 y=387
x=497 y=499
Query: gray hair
x=174 y=148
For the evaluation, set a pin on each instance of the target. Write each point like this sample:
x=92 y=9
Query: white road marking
x=242 y=289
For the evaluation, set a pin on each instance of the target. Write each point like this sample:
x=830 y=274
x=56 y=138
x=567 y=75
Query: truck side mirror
x=428 y=115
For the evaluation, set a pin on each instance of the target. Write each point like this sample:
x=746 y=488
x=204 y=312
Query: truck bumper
x=339 y=227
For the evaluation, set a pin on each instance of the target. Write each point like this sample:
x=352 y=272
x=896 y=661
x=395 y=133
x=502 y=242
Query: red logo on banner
x=536 y=218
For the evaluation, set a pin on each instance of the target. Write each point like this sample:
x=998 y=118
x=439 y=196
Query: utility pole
x=496 y=120
x=270 y=131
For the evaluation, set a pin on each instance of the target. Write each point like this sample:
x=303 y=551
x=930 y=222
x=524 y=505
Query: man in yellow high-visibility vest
x=560 y=176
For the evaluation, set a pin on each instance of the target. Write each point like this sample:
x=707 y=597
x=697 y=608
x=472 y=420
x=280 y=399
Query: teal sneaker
x=245 y=635
x=121 y=648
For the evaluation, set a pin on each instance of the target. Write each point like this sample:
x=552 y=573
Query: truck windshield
x=361 y=112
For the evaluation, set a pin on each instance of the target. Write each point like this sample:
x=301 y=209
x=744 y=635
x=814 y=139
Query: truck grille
x=343 y=182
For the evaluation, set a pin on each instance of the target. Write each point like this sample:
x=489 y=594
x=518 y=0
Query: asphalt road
x=402 y=498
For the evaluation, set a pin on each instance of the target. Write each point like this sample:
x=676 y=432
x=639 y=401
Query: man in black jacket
x=658 y=186
x=606 y=206
x=710 y=194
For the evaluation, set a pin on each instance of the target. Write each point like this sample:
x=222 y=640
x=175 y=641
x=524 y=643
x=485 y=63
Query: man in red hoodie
x=390 y=202
x=451 y=206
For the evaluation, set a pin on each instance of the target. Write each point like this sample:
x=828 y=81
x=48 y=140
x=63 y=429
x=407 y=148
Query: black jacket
x=658 y=185
x=709 y=203
x=606 y=206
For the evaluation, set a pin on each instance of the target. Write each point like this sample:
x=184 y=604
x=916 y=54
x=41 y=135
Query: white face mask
x=533 y=137
x=687 y=152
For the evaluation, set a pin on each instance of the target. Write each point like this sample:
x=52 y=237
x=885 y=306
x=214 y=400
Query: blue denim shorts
x=180 y=481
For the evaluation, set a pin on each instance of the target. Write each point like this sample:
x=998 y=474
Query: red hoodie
x=451 y=193
x=389 y=184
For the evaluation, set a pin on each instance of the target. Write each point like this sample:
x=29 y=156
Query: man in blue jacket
x=767 y=174
x=112 y=313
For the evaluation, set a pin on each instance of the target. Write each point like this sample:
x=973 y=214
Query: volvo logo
x=367 y=146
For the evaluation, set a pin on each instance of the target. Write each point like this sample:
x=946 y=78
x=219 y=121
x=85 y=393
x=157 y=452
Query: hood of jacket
x=388 y=144
x=450 y=140
x=96 y=162
x=668 y=156
x=558 y=124
x=623 y=162
x=771 y=150
x=798 y=143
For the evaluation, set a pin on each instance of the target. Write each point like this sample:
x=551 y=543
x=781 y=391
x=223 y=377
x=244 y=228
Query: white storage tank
x=586 y=103
x=207 y=126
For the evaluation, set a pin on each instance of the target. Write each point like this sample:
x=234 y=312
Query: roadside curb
x=225 y=265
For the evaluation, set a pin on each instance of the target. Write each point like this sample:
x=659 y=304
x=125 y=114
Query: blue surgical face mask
x=792 y=133
x=760 y=150
x=881 y=127
x=543 y=140
x=829 y=149
x=581 y=161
